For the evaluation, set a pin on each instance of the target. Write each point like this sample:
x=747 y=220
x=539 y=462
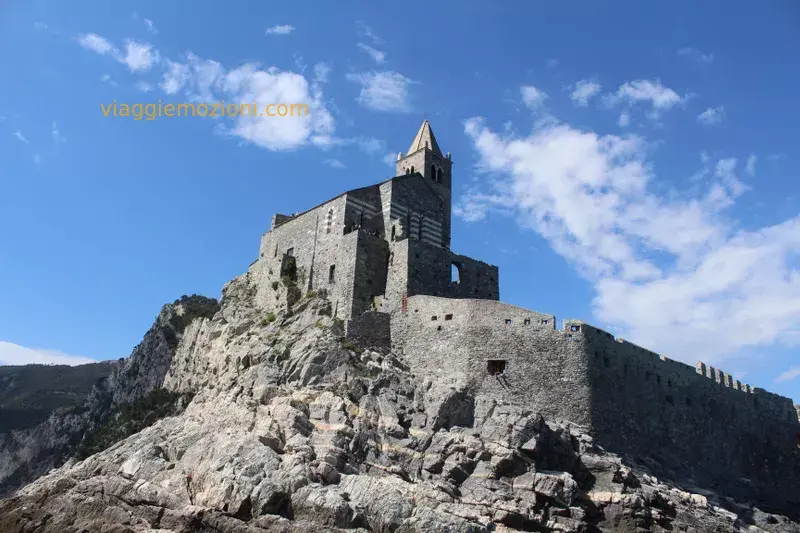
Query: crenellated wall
x=695 y=422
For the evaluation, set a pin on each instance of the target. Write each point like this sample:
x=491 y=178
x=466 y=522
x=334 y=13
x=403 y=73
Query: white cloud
x=57 y=137
x=96 y=43
x=383 y=91
x=583 y=91
x=282 y=29
x=18 y=134
x=334 y=163
x=712 y=115
x=144 y=86
x=532 y=97
x=751 y=165
x=661 y=98
x=789 y=375
x=150 y=26
x=624 y=119
x=139 y=56
x=175 y=77
x=321 y=73
x=14 y=354
x=673 y=273
x=106 y=78
x=40 y=25
x=378 y=56
x=248 y=83
x=697 y=56
x=365 y=31
x=208 y=81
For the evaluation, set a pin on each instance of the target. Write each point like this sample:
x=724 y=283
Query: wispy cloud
x=106 y=78
x=383 y=91
x=150 y=26
x=18 y=134
x=659 y=97
x=281 y=29
x=751 y=165
x=695 y=55
x=139 y=56
x=583 y=91
x=789 y=375
x=14 y=354
x=58 y=138
x=96 y=43
x=712 y=115
x=667 y=268
x=532 y=97
x=365 y=31
x=334 y=163
x=378 y=56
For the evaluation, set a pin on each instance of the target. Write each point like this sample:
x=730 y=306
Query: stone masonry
x=382 y=254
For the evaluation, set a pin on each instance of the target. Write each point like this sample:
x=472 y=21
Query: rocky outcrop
x=291 y=428
x=28 y=453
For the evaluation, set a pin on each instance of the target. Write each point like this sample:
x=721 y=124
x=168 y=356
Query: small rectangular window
x=448 y=317
x=434 y=317
x=495 y=367
x=332 y=274
x=527 y=322
x=508 y=321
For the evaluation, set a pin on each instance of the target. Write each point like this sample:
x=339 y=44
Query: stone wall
x=544 y=368
x=370 y=330
x=647 y=405
x=416 y=268
x=635 y=402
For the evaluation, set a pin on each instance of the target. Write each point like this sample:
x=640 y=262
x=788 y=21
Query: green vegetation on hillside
x=132 y=418
x=28 y=394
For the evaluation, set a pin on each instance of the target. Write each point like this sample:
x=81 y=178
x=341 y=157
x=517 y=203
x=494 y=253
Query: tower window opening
x=439 y=175
x=433 y=172
x=412 y=169
x=448 y=317
x=508 y=321
x=394 y=231
x=527 y=322
x=290 y=252
x=332 y=274
x=495 y=367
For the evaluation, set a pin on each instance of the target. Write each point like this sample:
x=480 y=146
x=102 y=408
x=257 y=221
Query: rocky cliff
x=290 y=427
x=27 y=452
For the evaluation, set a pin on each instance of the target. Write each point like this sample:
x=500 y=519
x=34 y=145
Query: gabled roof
x=425 y=138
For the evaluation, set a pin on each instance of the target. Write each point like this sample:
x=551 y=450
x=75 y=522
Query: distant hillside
x=28 y=394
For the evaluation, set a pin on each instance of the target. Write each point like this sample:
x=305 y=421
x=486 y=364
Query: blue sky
x=630 y=164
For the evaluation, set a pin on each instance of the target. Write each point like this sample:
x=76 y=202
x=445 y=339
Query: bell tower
x=425 y=157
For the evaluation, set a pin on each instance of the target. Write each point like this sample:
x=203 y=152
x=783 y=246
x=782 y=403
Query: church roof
x=425 y=139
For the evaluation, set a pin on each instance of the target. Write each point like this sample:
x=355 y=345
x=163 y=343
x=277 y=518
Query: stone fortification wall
x=468 y=341
x=417 y=268
x=696 y=421
x=688 y=422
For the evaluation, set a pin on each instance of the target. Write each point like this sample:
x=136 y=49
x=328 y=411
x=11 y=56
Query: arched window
x=433 y=172
x=455 y=273
x=439 y=175
x=412 y=169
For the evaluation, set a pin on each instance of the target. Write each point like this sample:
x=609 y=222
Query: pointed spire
x=425 y=139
